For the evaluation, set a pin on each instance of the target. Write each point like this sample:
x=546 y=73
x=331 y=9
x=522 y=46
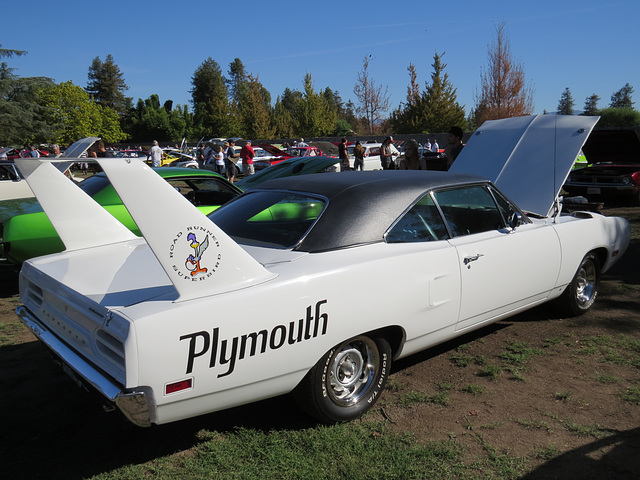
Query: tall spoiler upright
x=198 y=257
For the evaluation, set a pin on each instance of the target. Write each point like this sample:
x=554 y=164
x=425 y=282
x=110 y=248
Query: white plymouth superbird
x=313 y=284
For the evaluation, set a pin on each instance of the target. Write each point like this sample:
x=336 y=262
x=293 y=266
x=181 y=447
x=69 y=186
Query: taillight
x=178 y=386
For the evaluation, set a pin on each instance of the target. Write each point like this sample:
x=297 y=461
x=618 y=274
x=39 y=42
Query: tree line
x=235 y=103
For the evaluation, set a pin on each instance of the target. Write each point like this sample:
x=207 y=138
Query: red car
x=13 y=153
x=274 y=155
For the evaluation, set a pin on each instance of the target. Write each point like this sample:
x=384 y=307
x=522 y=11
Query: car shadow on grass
x=54 y=430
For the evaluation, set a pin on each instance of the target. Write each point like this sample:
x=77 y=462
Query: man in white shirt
x=155 y=154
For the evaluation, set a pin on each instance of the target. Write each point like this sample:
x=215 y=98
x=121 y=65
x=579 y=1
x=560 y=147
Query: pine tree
x=255 y=111
x=622 y=98
x=107 y=86
x=434 y=110
x=566 y=103
x=439 y=102
x=591 y=105
x=210 y=101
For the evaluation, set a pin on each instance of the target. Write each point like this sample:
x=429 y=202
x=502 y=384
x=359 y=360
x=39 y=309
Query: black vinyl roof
x=362 y=205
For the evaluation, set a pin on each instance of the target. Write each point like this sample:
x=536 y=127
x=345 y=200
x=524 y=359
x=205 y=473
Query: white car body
x=12 y=185
x=126 y=316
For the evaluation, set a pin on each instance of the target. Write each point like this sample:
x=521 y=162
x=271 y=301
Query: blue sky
x=589 y=46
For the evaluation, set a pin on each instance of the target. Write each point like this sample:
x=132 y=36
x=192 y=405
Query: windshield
x=269 y=218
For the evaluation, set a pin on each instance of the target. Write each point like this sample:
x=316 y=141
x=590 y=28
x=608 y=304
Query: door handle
x=468 y=260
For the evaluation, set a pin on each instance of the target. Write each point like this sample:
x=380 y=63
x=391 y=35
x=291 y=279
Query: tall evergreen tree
x=440 y=103
x=591 y=105
x=255 y=111
x=434 y=110
x=566 y=103
x=210 y=101
x=622 y=98
x=107 y=86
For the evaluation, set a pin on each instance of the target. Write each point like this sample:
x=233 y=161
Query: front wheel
x=581 y=293
x=347 y=380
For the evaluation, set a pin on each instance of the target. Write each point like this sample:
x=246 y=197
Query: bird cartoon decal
x=193 y=261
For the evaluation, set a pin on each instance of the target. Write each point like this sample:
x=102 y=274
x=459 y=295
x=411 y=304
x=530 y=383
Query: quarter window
x=422 y=223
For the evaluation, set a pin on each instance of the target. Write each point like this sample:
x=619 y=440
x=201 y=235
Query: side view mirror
x=515 y=219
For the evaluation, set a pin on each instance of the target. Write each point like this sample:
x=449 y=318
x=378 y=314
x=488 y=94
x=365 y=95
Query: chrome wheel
x=352 y=370
x=581 y=293
x=586 y=281
x=347 y=380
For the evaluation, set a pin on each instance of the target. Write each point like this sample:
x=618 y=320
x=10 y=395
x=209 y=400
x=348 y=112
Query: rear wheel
x=581 y=293
x=347 y=380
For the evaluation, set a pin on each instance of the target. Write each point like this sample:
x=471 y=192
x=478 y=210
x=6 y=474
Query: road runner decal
x=188 y=248
x=226 y=352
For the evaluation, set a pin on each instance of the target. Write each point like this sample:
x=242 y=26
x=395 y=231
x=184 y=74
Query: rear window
x=269 y=218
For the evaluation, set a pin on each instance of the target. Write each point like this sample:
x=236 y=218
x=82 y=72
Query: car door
x=430 y=275
x=502 y=270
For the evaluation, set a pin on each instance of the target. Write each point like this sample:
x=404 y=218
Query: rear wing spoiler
x=198 y=257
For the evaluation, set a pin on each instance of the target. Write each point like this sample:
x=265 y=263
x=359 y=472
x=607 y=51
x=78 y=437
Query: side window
x=203 y=191
x=469 y=210
x=422 y=223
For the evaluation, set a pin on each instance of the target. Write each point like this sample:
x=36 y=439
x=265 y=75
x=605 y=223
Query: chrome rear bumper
x=133 y=404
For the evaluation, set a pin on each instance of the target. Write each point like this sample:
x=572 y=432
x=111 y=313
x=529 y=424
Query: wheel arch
x=395 y=335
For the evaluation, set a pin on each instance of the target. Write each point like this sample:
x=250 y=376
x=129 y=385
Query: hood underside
x=527 y=158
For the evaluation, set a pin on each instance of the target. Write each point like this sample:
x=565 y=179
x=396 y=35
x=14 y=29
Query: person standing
x=386 y=154
x=155 y=154
x=218 y=156
x=56 y=151
x=358 y=153
x=33 y=153
x=101 y=151
x=343 y=155
x=230 y=160
x=434 y=146
x=411 y=159
x=427 y=146
x=455 y=145
x=200 y=155
x=246 y=155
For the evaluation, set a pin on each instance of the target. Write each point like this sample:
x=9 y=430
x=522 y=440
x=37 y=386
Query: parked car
x=10 y=153
x=272 y=156
x=141 y=154
x=612 y=173
x=304 y=151
x=26 y=231
x=12 y=183
x=289 y=168
x=312 y=285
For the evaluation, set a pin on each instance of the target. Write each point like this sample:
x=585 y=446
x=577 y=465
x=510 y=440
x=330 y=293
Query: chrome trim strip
x=133 y=404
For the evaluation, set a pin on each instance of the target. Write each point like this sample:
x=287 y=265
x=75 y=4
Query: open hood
x=527 y=158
